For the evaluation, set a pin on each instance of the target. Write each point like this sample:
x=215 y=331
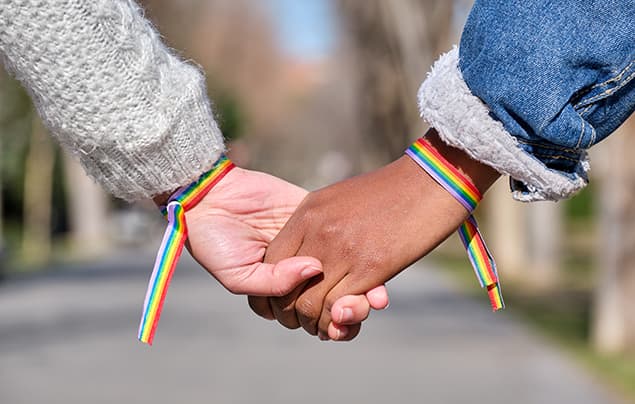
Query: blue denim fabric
x=559 y=74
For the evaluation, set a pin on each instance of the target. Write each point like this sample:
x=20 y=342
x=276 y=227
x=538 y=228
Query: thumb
x=279 y=279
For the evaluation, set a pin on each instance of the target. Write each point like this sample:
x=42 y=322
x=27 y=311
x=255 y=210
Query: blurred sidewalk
x=71 y=338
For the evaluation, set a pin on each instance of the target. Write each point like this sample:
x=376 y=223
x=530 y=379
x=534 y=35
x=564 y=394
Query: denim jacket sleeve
x=533 y=85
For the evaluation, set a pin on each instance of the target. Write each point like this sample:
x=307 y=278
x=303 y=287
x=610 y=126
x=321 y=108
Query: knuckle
x=309 y=326
x=306 y=308
x=328 y=230
x=309 y=218
x=349 y=246
x=285 y=289
x=280 y=288
x=284 y=313
x=283 y=304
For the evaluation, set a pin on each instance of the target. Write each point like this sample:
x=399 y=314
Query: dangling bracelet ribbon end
x=457 y=185
x=495 y=297
x=173 y=243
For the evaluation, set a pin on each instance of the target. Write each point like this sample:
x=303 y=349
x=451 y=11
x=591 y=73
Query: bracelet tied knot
x=173 y=242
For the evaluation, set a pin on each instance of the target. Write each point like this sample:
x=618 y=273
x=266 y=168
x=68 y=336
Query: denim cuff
x=464 y=121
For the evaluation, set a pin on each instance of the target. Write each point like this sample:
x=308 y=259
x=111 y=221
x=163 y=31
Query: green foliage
x=229 y=115
x=583 y=205
x=228 y=110
x=16 y=117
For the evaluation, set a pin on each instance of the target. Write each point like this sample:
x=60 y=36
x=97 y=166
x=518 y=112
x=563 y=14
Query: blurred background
x=313 y=91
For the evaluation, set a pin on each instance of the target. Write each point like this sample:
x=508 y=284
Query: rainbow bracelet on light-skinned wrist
x=469 y=196
x=173 y=242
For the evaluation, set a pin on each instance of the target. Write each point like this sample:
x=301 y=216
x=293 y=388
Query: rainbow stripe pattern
x=469 y=196
x=172 y=244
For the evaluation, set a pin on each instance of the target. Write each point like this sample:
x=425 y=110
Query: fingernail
x=322 y=336
x=346 y=314
x=310 y=271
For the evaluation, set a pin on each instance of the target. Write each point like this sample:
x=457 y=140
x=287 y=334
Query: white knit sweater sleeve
x=109 y=90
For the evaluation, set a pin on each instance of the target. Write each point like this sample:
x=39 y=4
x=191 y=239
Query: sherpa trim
x=463 y=121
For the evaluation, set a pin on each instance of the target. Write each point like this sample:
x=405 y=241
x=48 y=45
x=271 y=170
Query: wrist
x=481 y=175
x=466 y=180
x=190 y=194
x=425 y=200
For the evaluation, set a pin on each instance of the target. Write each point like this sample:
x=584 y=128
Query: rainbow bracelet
x=466 y=193
x=172 y=245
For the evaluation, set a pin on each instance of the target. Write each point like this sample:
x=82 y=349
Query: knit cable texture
x=111 y=92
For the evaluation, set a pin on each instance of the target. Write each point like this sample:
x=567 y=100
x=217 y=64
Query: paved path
x=70 y=338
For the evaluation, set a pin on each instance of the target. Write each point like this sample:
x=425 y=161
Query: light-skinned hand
x=232 y=226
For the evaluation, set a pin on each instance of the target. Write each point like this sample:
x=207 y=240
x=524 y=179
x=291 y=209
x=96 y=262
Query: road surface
x=70 y=337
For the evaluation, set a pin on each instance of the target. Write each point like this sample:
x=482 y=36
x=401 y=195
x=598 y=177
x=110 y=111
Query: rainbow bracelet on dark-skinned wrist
x=444 y=173
x=173 y=242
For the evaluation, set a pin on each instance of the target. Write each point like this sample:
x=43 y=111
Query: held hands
x=231 y=228
x=364 y=230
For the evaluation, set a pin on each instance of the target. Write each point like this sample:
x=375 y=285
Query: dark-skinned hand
x=364 y=230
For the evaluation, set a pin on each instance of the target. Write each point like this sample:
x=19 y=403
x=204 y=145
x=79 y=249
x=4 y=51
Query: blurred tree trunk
x=38 y=187
x=507 y=231
x=614 y=309
x=87 y=210
x=526 y=239
x=393 y=44
x=544 y=243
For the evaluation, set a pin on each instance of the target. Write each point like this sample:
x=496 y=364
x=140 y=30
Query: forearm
x=437 y=212
x=136 y=116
